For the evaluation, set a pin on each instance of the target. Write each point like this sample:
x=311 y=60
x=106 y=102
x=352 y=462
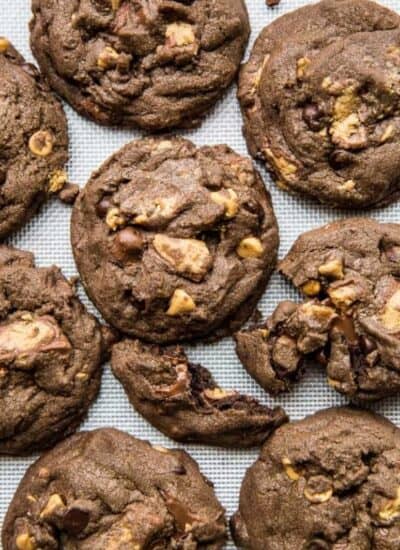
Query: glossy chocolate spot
x=75 y=520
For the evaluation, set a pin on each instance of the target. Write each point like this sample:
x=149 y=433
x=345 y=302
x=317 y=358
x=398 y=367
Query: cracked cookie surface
x=349 y=273
x=321 y=107
x=33 y=140
x=150 y=63
x=51 y=350
x=183 y=401
x=106 y=489
x=329 y=482
x=175 y=242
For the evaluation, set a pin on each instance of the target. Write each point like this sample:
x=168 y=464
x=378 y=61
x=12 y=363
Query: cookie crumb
x=69 y=193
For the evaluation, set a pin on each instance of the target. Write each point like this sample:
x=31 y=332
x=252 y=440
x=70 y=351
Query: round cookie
x=184 y=402
x=33 y=140
x=107 y=490
x=349 y=271
x=154 y=64
x=51 y=350
x=330 y=481
x=174 y=242
x=321 y=105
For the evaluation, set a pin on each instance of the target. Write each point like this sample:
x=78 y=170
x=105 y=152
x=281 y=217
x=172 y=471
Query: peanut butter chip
x=4 y=45
x=332 y=269
x=180 y=34
x=114 y=218
x=250 y=247
x=41 y=143
x=302 y=65
x=108 y=58
x=217 y=393
x=228 y=199
x=343 y=296
x=311 y=288
x=391 y=509
x=57 y=180
x=318 y=498
x=115 y=4
x=390 y=317
x=55 y=502
x=180 y=303
x=25 y=542
x=291 y=472
x=189 y=256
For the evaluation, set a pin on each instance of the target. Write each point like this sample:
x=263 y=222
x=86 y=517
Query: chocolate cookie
x=349 y=271
x=149 y=63
x=330 y=481
x=175 y=242
x=51 y=351
x=107 y=490
x=33 y=140
x=320 y=100
x=183 y=401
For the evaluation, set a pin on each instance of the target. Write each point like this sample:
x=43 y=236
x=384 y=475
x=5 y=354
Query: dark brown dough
x=320 y=100
x=328 y=482
x=51 y=350
x=183 y=401
x=175 y=242
x=150 y=63
x=33 y=140
x=106 y=490
x=349 y=271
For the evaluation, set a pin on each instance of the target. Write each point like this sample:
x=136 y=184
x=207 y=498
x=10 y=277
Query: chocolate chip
x=366 y=344
x=130 y=240
x=340 y=159
x=321 y=358
x=128 y=244
x=75 y=520
x=180 y=470
x=393 y=253
x=312 y=115
x=103 y=206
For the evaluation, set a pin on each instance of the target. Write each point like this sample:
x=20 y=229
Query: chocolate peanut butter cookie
x=151 y=63
x=184 y=402
x=350 y=273
x=106 y=490
x=33 y=140
x=320 y=97
x=175 y=242
x=50 y=355
x=328 y=482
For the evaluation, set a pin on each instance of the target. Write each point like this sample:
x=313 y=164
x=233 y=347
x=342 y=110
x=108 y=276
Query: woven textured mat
x=48 y=237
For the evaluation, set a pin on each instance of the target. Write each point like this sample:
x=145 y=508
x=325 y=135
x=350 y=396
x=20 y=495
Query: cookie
x=107 y=490
x=51 y=350
x=330 y=481
x=184 y=402
x=33 y=141
x=320 y=97
x=156 y=65
x=174 y=242
x=349 y=273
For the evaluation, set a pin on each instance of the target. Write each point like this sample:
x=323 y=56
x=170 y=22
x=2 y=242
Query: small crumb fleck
x=69 y=193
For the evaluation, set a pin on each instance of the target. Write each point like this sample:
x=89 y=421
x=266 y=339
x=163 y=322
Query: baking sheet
x=47 y=236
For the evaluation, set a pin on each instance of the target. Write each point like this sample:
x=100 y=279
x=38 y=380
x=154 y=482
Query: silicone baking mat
x=48 y=237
